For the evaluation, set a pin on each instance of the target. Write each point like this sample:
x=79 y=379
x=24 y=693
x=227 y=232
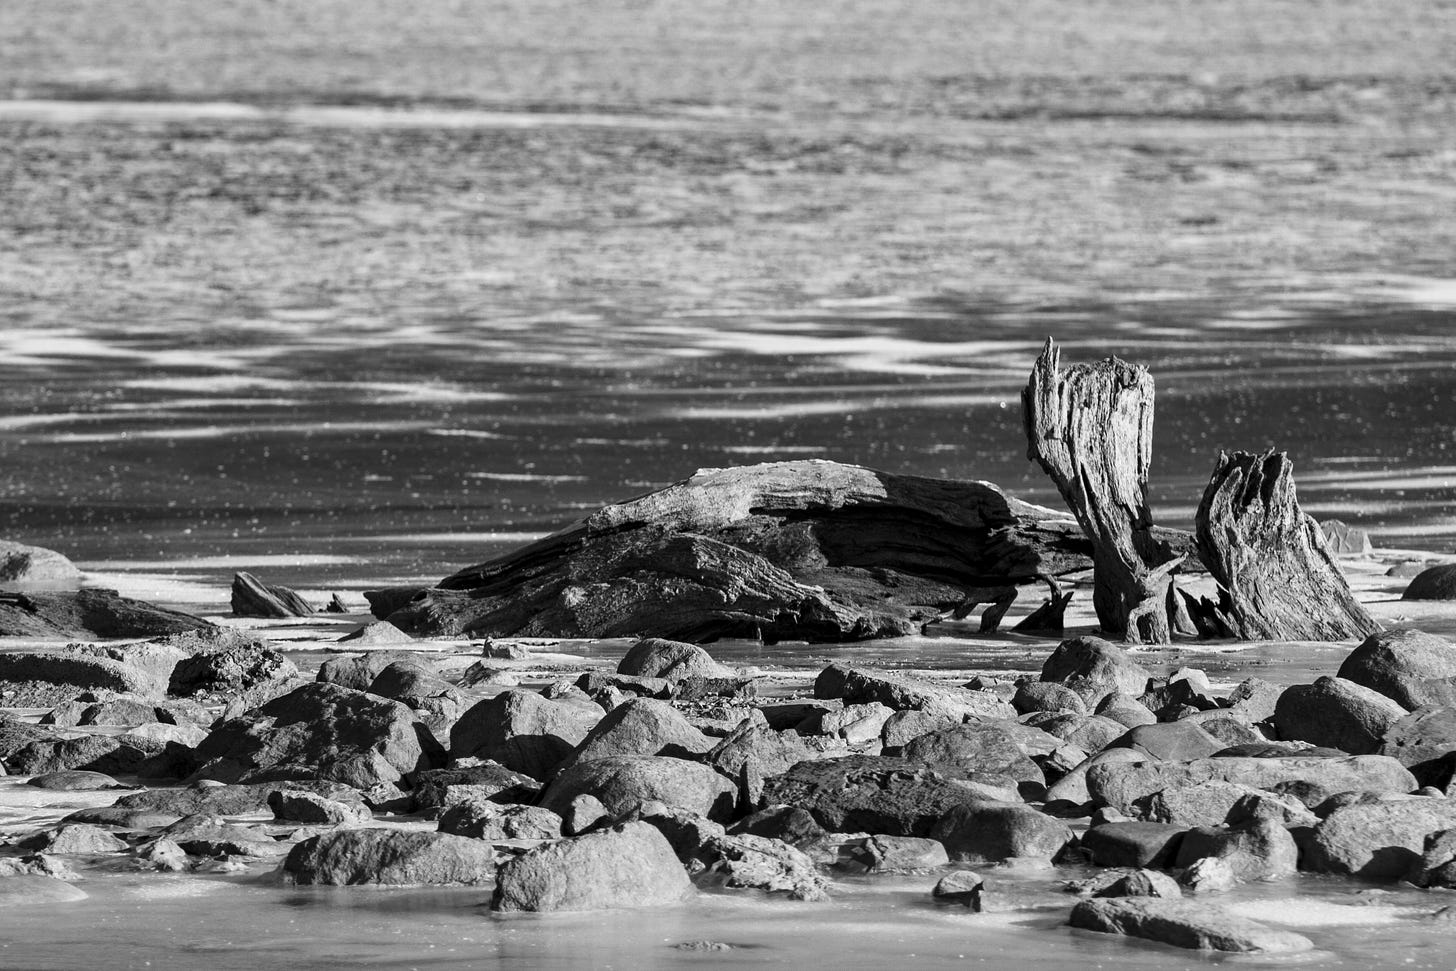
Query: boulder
x=34 y=567
x=92 y=612
x=631 y=865
x=1261 y=850
x=298 y=806
x=869 y=794
x=31 y=889
x=74 y=838
x=792 y=825
x=641 y=726
x=1133 y=844
x=486 y=781
x=389 y=856
x=493 y=822
x=378 y=632
x=988 y=832
x=208 y=798
x=1437 y=866
x=623 y=782
x=44 y=679
x=1121 y=784
x=1208 y=875
x=230 y=671
x=752 y=753
x=110 y=754
x=1254 y=699
x=358 y=672
x=1410 y=667
x=524 y=731
x=892 y=854
x=855 y=724
x=252 y=597
x=319 y=731
x=960 y=887
x=1170 y=742
x=206 y=835
x=1433 y=583
x=1184 y=923
x=1141 y=883
x=1336 y=713
x=759 y=863
x=859 y=686
x=653 y=657
x=1094 y=668
x=412 y=682
x=973 y=750
x=75 y=780
x=1377 y=840
x=1047 y=696
x=1199 y=804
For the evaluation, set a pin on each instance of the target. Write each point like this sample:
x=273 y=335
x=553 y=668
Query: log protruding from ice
x=1280 y=581
x=1090 y=427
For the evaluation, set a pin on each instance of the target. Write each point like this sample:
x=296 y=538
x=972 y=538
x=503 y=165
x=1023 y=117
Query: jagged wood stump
x=1090 y=427
x=807 y=550
x=1279 y=579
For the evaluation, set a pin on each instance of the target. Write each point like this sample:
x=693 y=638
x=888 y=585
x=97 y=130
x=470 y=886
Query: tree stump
x=1090 y=427
x=1280 y=581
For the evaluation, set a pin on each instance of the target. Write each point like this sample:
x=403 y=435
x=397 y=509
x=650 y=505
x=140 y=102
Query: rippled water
x=406 y=442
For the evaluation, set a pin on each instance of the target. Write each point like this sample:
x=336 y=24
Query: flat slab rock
x=1195 y=925
x=807 y=550
x=89 y=613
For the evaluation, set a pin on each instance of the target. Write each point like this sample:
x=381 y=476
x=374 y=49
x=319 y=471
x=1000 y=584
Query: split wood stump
x=1090 y=426
x=1279 y=579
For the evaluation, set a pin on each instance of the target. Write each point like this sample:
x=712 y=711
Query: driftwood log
x=1278 y=577
x=1090 y=427
x=807 y=550
x=89 y=613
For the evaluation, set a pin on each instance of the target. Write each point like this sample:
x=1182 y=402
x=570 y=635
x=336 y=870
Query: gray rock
x=1209 y=875
x=1433 y=583
x=358 y=672
x=36 y=567
x=1170 y=742
x=1336 y=713
x=230 y=670
x=752 y=753
x=376 y=632
x=307 y=807
x=623 y=782
x=654 y=657
x=1133 y=844
x=47 y=678
x=975 y=750
x=162 y=854
x=1121 y=784
x=1094 y=668
x=1437 y=866
x=32 y=889
x=1047 y=696
x=631 y=865
x=1182 y=923
x=1255 y=699
x=1377 y=840
x=1410 y=667
x=868 y=794
x=1141 y=883
x=1421 y=740
x=74 y=838
x=391 y=857
x=582 y=813
x=74 y=780
x=487 y=781
x=991 y=832
x=1200 y=804
x=1261 y=850
x=792 y=825
x=205 y=835
x=892 y=854
x=319 y=731
x=961 y=887
x=524 y=731
x=641 y=726
x=491 y=822
x=752 y=862
x=857 y=686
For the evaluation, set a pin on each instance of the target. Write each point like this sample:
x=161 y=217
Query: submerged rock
x=631 y=865
x=392 y=857
x=1183 y=923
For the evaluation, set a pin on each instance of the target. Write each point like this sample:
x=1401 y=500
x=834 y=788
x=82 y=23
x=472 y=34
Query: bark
x=1280 y=581
x=808 y=550
x=92 y=612
x=1090 y=427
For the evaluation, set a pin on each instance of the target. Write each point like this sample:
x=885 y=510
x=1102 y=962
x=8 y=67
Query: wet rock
x=378 y=632
x=641 y=726
x=1141 y=883
x=525 y=731
x=759 y=863
x=1209 y=875
x=489 y=821
x=35 y=567
x=868 y=794
x=988 y=832
x=792 y=825
x=1133 y=844
x=230 y=671
x=1377 y=840
x=631 y=865
x=973 y=750
x=31 y=889
x=162 y=854
x=961 y=887
x=319 y=731
x=1181 y=923
x=390 y=857
x=75 y=780
x=1336 y=713
x=790 y=713
x=486 y=781
x=892 y=854
x=93 y=612
x=623 y=782
x=1410 y=667
x=654 y=657
x=1261 y=850
x=1094 y=668
x=299 y=806
x=1433 y=583
x=74 y=838
x=1122 y=784
x=252 y=597
x=860 y=686
x=1047 y=696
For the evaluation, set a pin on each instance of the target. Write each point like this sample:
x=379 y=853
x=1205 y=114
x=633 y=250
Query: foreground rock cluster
x=672 y=775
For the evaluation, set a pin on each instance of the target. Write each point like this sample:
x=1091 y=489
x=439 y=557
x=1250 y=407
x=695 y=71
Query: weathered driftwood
x=807 y=550
x=1090 y=426
x=1279 y=579
x=92 y=612
x=254 y=598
